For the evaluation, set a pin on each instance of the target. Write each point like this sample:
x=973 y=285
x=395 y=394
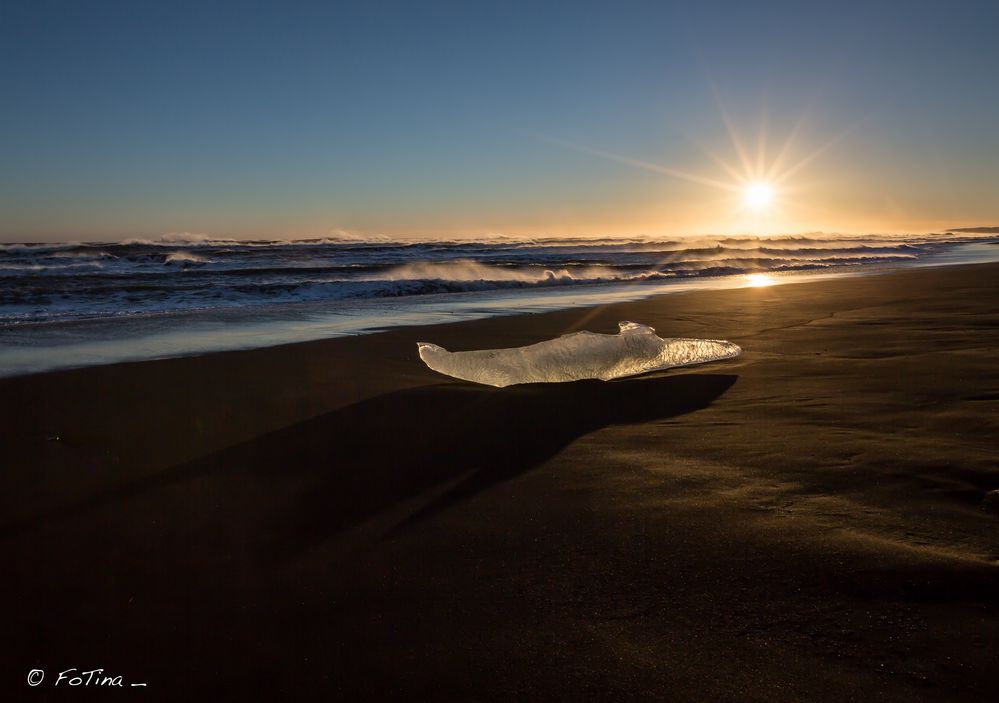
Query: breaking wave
x=184 y=257
x=191 y=271
x=469 y=270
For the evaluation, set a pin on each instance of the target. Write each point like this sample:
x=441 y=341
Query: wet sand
x=332 y=519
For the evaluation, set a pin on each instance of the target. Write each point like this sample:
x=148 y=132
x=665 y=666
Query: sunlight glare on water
x=758 y=280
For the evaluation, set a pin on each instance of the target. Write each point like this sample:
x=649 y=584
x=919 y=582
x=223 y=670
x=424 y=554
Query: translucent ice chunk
x=573 y=357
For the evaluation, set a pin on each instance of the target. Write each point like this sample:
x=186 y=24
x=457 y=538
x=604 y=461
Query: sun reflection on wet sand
x=758 y=280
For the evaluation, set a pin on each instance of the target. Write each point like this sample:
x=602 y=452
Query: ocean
x=74 y=304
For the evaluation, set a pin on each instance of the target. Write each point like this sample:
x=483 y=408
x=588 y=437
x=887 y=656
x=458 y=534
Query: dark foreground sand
x=333 y=521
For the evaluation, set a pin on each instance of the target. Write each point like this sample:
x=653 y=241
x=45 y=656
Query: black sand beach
x=333 y=520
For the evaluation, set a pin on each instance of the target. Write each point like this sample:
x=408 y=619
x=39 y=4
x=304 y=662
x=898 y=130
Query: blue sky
x=257 y=119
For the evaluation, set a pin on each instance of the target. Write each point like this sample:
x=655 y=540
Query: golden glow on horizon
x=758 y=280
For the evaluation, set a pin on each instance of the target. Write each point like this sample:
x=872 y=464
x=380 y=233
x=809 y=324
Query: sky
x=428 y=119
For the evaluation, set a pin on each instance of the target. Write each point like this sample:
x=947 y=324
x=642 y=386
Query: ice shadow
x=370 y=456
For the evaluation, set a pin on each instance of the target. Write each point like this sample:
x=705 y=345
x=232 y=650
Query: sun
x=758 y=195
x=757 y=181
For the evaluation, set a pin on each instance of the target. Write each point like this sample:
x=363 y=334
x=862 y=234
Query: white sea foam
x=468 y=270
x=636 y=349
x=184 y=257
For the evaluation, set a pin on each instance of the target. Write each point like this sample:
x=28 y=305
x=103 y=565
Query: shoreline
x=807 y=521
x=40 y=347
